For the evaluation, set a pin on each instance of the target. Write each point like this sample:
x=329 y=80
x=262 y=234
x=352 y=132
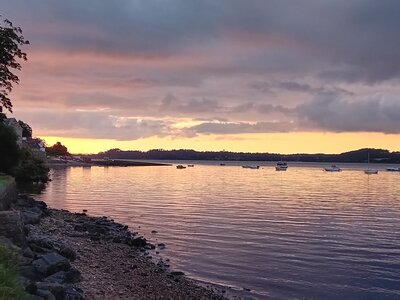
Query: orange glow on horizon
x=285 y=143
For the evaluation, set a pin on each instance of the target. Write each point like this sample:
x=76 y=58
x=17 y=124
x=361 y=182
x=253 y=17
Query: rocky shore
x=74 y=256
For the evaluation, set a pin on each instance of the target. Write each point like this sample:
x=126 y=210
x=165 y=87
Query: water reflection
x=301 y=233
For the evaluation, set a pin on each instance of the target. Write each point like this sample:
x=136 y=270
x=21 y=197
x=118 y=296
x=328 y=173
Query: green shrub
x=10 y=286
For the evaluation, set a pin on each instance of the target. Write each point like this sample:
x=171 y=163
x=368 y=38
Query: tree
x=9 y=150
x=11 y=39
x=57 y=149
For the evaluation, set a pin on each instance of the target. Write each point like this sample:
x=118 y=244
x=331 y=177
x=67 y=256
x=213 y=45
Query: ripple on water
x=301 y=233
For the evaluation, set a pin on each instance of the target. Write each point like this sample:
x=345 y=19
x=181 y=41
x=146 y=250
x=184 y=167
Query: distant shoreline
x=357 y=156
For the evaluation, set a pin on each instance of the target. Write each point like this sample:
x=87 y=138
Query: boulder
x=51 y=263
x=12 y=227
x=45 y=294
x=31 y=215
x=62 y=277
x=58 y=290
x=68 y=252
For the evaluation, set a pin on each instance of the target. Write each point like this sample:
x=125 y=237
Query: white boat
x=250 y=167
x=281 y=166
x=333 y=168
x=393 y=169
x=370 y=171
x=180 y=167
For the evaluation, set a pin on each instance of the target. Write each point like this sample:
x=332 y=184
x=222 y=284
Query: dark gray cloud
x=254 y=64
x=95 y=124
x=242 y=127
x=355 y=41
x=334 y=113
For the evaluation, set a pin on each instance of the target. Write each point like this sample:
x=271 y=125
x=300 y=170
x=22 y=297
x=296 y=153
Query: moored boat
x=333 y=168
x=281 y=166
x=370 y=171
x=190 y=166
x=180 y=167
x=393 y=169
x=250 y=167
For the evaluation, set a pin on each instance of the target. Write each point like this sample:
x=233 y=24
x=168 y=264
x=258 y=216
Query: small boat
x=370 y=171
x=333 y=168
x=180 y=167
x=222 y=164
x=393 y=169
x=190 y=166
x=250 y=167
x=281 y=166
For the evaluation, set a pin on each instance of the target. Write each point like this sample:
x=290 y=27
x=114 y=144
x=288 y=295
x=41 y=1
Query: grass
x=10 y=286
x=4 y=180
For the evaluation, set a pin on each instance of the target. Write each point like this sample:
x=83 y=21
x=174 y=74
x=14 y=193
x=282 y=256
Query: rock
x=28 y=228
x=41 y=241
x=9 y=244
x=12 y=227
x=62 y=277
x=58 y=290
x=59 y=277
x=50 y=263
x=177 y=273
x=28 y=253
x=139 y=242
x=28 y=285
x=79 y=227
x=45 y=294
x=29 y=272
x=68 y=253
x=73 y=276
x=31 y=215
x=72 y=293
x=117 y=239
x=154 y=231
x=38 y=249
x=161 y=246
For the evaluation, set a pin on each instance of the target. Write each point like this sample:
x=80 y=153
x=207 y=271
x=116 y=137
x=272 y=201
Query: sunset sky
x=250 y=75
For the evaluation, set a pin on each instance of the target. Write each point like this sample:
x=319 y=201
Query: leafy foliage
x=9 y=150
x=10 y=286
x=57 y=149
x=31 y=169
x=11 y=39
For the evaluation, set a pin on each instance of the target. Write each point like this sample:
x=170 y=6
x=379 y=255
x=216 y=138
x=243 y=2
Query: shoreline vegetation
x=65 y=255
x=357 y=156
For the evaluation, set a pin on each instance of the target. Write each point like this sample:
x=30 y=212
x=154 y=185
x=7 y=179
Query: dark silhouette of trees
x=11 y=39
x=358 y=156
x=57 y=149
x=9 y=150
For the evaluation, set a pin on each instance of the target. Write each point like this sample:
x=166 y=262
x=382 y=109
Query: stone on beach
x=50 y=263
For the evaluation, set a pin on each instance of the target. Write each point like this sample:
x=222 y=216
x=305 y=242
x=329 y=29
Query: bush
x=10 y=285
x=31 y=169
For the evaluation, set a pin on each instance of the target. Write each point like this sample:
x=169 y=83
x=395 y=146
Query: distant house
x=36 y=147
x=13 y=123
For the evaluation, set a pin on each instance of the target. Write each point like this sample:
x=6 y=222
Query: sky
x=239 y=75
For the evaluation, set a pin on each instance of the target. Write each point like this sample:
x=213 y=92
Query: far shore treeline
x=357 y=156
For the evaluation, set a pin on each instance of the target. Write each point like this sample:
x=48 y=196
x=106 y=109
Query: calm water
x=302 y=233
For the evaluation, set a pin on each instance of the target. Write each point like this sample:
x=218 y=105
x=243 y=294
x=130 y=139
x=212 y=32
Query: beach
x=68 y=255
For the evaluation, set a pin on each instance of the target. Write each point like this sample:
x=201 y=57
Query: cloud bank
x=133 y=69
